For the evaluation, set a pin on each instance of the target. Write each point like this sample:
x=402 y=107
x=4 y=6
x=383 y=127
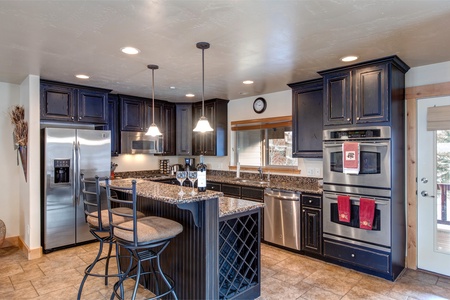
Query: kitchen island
x=217 y=256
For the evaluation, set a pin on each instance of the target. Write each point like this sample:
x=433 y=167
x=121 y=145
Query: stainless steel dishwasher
x=282 y=218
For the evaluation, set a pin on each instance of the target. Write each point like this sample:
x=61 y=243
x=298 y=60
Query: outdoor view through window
x=265 y=147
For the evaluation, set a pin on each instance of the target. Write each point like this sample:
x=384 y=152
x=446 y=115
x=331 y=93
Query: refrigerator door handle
x=74 y=172
x=78 y=181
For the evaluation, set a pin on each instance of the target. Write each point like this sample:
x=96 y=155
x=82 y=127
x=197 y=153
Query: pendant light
x=153 y=129
x=203 y=124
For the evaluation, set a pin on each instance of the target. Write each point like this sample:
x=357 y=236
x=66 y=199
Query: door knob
x=425 y=194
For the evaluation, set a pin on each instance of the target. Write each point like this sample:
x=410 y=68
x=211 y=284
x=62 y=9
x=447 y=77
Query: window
x=265 y=142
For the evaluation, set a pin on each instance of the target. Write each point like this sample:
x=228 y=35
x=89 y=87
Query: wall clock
x=259 y=105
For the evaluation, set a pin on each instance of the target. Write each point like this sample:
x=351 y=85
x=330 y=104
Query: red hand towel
x=344 y=208
x=350 y=153
x=366 y=213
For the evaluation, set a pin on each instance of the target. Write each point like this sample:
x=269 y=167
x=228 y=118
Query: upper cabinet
x=363 y=93
x=132 y=113
x=307 y=125
x=165 y=120
x=212 y=143
x=113 y=124
x=184 y=129
x=137 y=115
x=73 y=103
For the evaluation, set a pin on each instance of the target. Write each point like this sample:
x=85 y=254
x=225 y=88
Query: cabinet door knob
x=353 y=255
x=310 y=201
x=72 y=118
x=358 y=118
x=304 y=210
x=79 y=118
x=348 y=119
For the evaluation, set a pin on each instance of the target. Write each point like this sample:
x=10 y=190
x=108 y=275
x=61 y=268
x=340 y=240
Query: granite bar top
x=230 y=206
x=165 y=192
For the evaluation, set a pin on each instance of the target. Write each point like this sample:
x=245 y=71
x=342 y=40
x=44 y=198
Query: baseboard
x=11 y=241
x=30 y=253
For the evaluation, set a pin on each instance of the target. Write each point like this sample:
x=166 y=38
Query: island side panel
x=192 y=257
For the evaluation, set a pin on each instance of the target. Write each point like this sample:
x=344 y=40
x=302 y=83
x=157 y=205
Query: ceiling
x=272 y=42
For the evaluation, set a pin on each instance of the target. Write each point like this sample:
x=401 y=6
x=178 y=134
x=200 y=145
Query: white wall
x=11 y=173
x=30 y=199
x=429 y=74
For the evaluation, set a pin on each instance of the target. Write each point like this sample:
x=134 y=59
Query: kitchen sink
x=260 y=182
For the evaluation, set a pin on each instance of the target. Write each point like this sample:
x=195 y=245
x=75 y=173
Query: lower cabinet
x=311 y=220
x=363 y=257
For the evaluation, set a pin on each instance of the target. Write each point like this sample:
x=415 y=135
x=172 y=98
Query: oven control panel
x=381 y=132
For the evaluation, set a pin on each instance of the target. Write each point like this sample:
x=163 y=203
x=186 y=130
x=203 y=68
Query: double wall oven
x=373 y=181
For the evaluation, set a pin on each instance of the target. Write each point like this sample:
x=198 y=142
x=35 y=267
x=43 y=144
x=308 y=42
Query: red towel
x=350 y=153
x=344 y=208
x=366 y=213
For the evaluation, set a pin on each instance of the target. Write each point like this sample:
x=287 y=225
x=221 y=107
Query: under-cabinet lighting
x=247 y=82
x=190 y=95
x=82 y=76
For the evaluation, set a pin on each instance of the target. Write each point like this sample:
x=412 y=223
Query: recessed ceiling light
x=130 y=50
x=190 y=95
x=349 y=58
x=82 y=76
x=247 y=82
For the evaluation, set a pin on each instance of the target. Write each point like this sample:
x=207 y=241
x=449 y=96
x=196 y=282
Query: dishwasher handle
x=277 y=196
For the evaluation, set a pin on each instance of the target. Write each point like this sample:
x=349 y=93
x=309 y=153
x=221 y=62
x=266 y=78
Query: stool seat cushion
x=92 y=218
x=149 y=229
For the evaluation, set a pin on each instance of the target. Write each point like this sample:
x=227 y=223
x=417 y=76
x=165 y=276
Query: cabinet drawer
x=231 y=190
x=370 y=259
x=252 y=193
x=312 y=201
x=213 y=186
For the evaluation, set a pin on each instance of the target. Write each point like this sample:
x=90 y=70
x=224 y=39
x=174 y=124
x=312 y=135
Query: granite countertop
x=296 y=186
x=230 y=206
x=165 y=192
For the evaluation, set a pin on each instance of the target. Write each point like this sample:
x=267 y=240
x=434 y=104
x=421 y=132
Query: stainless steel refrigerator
x=66 y=153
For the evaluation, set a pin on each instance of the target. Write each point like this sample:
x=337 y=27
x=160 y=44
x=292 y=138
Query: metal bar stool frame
x=139 y=251
x=93 y=209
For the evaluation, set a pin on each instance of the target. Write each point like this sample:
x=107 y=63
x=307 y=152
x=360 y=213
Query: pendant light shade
x=153 y=129
x=203 y=124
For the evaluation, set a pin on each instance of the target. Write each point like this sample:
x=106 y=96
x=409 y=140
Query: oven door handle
x=374 y=144
x=356 y=200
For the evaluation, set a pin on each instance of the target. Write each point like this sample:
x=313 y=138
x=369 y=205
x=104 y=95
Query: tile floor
x=285 y=275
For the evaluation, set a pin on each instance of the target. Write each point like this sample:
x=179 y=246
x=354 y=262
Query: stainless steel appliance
x=189 y=164
x=332 y=227
x=375 y=156
x=66 y=153
x=132 y=142
x=282 y=218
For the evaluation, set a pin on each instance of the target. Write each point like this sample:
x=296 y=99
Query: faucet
x=261 y=175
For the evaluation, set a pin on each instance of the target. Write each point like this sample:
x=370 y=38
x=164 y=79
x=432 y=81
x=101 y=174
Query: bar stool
x=144 y=239
x=98 y=221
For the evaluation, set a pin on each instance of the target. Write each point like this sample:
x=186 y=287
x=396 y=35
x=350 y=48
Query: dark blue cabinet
x=73 y=103
x=212 y=143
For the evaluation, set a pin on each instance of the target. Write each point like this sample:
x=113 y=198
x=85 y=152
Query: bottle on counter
x=201 y=175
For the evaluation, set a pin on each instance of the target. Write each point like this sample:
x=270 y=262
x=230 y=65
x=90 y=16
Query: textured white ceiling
x=272 y=42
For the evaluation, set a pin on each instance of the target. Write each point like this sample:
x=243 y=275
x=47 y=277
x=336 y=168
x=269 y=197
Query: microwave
x=133 y=142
